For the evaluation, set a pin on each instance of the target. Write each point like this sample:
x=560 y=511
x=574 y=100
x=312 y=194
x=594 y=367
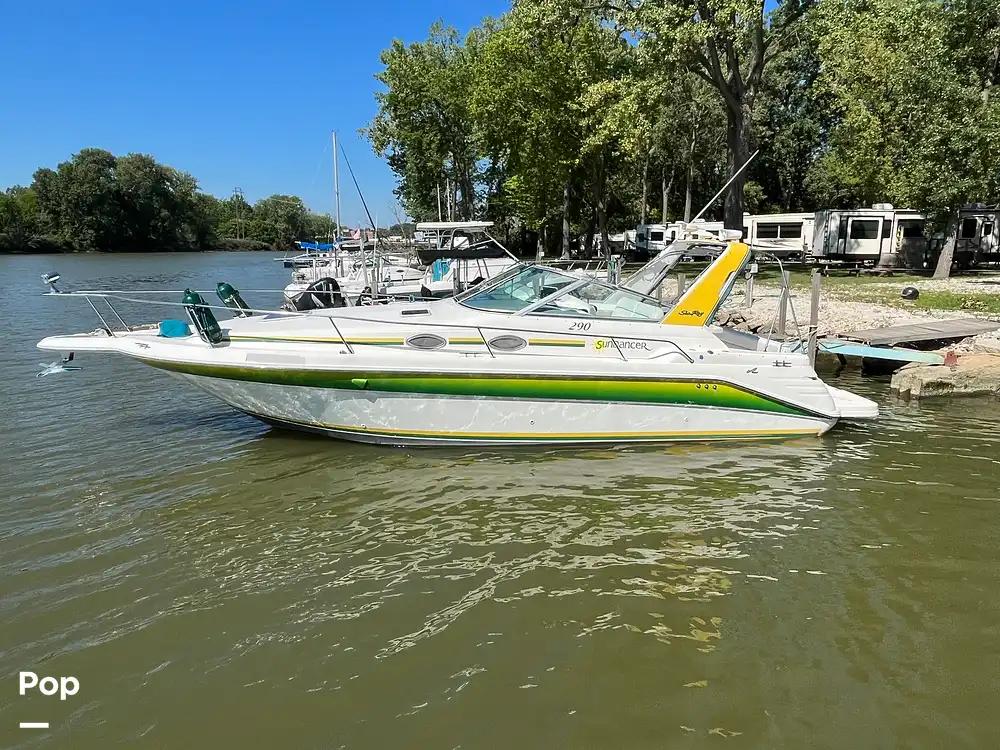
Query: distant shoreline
x=230 y=246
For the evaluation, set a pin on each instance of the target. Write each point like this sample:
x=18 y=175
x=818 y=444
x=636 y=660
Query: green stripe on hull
x=635 y=390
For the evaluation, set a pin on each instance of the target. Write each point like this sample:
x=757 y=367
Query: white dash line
x=34 y=725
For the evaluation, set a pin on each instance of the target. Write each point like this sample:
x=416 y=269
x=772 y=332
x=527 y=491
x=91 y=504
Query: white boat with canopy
x=535 y=355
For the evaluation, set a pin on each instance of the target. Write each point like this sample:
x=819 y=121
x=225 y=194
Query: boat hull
x=410 y=419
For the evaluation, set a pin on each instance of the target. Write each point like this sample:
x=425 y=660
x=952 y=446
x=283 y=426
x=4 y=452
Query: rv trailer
x=652 y=239
x=978 y=238
x=880 y=235
x=782 y=235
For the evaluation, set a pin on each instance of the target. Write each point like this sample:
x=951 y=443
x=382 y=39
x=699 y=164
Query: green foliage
x=915 y=118
x=18 y=218
x=97 y=201
x=279 y=220
x=423 y=127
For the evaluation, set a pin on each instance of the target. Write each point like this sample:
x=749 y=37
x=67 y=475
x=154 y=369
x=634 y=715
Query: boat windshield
x=537 y=290
x=518 y=290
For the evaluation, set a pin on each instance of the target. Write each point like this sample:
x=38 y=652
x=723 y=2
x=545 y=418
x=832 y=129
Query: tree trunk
x=601 y=205
x=737 y=137
x=690 y=179
x=588 y=249
x=947 y=256
x=645 y=189
x=665 y=189
x=565 y=222
x=602 y=224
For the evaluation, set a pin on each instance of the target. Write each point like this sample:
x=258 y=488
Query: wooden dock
x=912 y=333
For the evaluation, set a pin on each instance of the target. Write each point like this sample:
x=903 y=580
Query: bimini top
x=541 y=290
x=440 y=226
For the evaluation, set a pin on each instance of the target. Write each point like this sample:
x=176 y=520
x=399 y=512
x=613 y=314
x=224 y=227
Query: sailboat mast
x=336 y=183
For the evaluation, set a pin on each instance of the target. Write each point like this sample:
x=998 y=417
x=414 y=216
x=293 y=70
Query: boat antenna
x=728 y=183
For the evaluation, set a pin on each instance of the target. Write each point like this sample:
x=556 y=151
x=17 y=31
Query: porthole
x=508 y=343
x=426 y=341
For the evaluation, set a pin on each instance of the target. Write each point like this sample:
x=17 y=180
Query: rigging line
x=360 y=194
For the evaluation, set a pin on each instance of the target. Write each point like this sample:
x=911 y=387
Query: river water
x=213 y=582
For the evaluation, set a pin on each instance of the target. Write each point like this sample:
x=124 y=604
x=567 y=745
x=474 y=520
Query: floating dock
x=914 y=333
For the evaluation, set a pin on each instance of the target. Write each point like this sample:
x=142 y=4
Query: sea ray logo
x=697 y=313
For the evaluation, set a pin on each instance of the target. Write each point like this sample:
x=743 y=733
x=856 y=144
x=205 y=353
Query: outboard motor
x=202 y=317
x=322 y=294
x=231 y=298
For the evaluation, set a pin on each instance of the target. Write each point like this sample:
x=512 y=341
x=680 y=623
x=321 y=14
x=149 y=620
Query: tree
x=423 y=127
x=279 y=220
x=18 y=219
x=99 y=201
x=543 y=77
x=916 y=120
x=728 y=44
x=80 y=202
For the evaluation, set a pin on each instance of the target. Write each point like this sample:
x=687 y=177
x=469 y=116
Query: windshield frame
x=578 y=282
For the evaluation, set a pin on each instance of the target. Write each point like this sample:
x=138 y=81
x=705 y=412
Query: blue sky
x=237 y=94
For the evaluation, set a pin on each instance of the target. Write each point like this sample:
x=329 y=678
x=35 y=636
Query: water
x=216 y=583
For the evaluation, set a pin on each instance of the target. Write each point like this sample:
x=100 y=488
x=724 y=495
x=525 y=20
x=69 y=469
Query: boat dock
x=891 y=342
x=915 y=333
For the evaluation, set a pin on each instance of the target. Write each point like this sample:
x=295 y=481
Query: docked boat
x=353 y=274
x=536 y=355
x=458 y=255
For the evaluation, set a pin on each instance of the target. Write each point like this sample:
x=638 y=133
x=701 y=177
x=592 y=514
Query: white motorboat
x=535 y=355
x=458 y=255
x=353 y=274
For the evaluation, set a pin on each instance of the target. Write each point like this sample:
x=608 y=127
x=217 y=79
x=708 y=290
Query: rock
x=973 y=375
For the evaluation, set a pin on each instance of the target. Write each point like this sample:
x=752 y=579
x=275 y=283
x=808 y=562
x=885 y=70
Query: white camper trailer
x=782 y=235
x=654 y=238
x=880 y=235
x=978 y=238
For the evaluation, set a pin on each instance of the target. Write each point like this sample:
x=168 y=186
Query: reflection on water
x=215 y=582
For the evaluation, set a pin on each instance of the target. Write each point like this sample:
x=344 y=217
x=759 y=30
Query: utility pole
x=238 y=200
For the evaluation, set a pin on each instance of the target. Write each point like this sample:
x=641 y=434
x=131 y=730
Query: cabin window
x=508 y=343
x=968 y=228
x=673 y=235
x=912 y=229
x=656 y=236
x=790 y=230
x=987 y=229
x=746 y=233
x=426 y=341
x=865 y=229
x=886 y=228
x=767 y=231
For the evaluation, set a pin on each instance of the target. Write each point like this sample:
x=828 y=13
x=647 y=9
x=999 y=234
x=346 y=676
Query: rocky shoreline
x=972 y=365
